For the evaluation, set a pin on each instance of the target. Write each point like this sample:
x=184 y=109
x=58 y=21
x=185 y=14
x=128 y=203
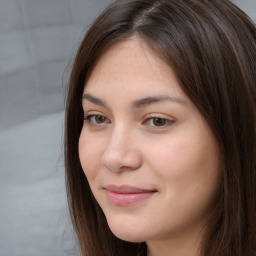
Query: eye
x=158 y=122
x=96 y=119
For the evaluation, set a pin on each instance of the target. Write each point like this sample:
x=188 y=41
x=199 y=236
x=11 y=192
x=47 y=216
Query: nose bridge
x=119 y=137
x=121 y=150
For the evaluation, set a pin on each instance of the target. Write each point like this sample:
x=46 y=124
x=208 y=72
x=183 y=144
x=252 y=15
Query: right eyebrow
x=95 y=100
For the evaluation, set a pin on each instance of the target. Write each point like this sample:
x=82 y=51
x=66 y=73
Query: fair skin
x=150 y=158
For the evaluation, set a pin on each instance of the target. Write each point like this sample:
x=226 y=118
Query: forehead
x=131 y=63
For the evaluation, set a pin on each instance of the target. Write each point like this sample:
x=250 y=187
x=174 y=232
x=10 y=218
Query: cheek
x=187 y=163
x=190 y=178
x=89 y=155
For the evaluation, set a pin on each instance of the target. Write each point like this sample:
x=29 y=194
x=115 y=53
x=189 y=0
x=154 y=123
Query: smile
x=125 y=195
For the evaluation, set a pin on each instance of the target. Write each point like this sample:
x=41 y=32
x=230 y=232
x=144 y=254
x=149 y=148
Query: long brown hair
x=211 y=46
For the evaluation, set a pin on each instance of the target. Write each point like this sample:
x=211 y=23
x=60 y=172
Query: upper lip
x=125 y=189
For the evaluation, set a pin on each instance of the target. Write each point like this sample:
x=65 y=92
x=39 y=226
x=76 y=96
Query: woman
x=160 y=131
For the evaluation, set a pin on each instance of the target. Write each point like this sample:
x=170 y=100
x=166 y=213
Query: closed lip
x=127 y=195
x=126 y=189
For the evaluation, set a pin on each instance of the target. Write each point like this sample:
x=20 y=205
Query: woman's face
x=150 y=158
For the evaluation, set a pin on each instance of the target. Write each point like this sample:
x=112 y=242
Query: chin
x=128 y=234
x=133 y=238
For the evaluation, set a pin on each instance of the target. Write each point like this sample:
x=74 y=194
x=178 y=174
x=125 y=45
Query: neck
x=188 y=245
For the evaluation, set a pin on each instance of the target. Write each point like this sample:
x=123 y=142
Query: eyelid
x=159 y=115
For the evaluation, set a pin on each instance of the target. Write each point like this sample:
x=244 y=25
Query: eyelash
x=164 y=121
x=88 y=119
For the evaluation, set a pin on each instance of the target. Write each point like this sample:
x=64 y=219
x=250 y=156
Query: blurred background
x=38 y=40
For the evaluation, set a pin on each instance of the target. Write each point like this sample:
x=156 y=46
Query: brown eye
x=159 y=121
x=96 y=119
x=100 y=119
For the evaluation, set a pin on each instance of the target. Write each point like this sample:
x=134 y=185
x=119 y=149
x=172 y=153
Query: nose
x=121 y=152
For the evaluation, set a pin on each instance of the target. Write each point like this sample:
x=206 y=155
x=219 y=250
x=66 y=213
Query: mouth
x=127 y=195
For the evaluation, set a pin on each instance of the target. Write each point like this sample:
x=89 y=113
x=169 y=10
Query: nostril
x=111 y=161
x=121 y=160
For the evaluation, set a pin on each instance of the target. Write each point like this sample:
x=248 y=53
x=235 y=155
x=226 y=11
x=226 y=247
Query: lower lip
x=120 y=199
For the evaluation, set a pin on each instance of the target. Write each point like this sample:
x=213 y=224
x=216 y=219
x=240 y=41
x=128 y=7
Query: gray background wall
x=38 y=39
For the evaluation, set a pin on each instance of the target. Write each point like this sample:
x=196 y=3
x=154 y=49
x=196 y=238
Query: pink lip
x=126 y=195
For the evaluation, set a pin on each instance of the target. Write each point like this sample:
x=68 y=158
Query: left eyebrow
x=156 y=99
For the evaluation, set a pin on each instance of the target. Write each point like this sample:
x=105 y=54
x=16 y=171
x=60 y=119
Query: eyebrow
x=94 y=100
x=137 y=103
x=155 y=99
